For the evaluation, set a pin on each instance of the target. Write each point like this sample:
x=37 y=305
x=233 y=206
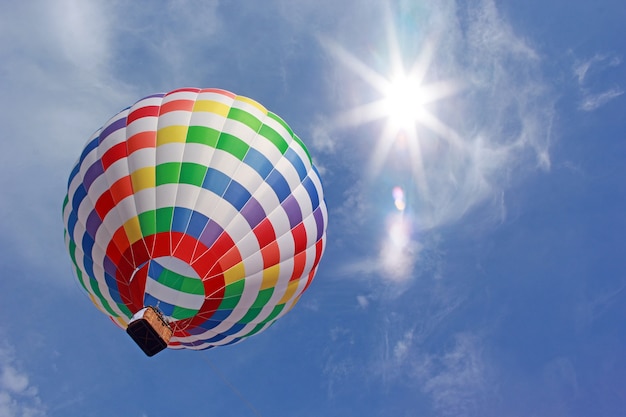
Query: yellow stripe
x=252 y=102
x=270 y=277
x=143 y=178
x=171 y=134
x=295 y=301
x=211 y=107
x=291 y=289
x=234 y=274
x=120 y=320
x=133 y=230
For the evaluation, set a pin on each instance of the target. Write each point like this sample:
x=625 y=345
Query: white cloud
x=589 y=74
x=457 y=380
x=18 y=397
x=363 y=301
x=497 y=128
x=592 y=101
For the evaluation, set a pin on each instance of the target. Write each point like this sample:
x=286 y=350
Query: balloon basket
x=149 y=329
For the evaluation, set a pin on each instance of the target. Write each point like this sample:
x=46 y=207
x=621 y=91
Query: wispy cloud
x=18 y=397
x=499 y=126
x=588 y=75
x=458 y=380
x=592 y=101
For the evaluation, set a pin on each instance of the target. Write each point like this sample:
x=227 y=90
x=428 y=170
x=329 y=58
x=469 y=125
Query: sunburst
x=403 y=103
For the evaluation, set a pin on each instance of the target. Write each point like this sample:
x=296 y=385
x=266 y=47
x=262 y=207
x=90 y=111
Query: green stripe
x=233 y=145
x=167 y=173
x=183 y=313
x=204 y=135
x=299 y=141
x=274 y=137
x=147 y=222
x=261 y=300
x=282 y=122
x=164 y=219
x=192 y=173
x=181 y=283
x=245 y=118
x=79 y=274
x=95 y=290
x=274 y=313
x=232 y=294
x=124 y=309
x=270 y=319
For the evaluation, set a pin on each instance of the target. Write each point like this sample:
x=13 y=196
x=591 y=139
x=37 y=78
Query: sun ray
x=404 y=105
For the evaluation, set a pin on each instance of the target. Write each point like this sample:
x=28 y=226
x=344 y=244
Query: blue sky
x=475 y=263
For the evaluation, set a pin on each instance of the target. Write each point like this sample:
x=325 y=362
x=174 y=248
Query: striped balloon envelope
x=201 y=203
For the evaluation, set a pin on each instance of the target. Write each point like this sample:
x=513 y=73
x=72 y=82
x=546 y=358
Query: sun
x=403 y=105
x=403 y=102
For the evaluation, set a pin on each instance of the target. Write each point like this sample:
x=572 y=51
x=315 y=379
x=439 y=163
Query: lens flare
x=399 y=250
x=398 y=198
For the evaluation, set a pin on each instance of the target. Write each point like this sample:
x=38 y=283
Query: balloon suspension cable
x=226 y=382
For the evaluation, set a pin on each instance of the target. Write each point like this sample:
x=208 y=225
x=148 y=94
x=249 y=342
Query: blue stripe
x=310 y=188
x=234 y=329
x=155 y=269
x=87 y=245
x=112 y=284
x=237 y=195
x=93 y=144
x=295 y=160
x=79 y=196
x=180 y=219
x=74 y=173
x=71 y=224
x=215 y=181
x=258 y=162
x=279 y=185
x=197 y=224
x=166 y=308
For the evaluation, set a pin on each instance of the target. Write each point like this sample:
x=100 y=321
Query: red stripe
x=176 y=105
x=230 y=259
x=114 y=154
x=146 y=111
x=121 y=189
x=271 y=255
x=141 y=140
x=104 y=204
x=183 y=90
x=264 y=233
x=219 y=91
x=299 y=262
x=299 y=238
x=184 y=249
x=309 y=280
x=319 y=246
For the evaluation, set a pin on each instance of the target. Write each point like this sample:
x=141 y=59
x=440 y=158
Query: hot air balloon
x=194 y=219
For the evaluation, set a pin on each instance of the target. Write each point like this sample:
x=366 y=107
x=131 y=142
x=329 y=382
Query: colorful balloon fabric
x=201 y=203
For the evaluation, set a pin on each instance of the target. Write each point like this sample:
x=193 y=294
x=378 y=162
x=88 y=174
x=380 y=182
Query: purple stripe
x=93 y=172
x=93 y=222
x=319 y=220
x=253 y=212
x=210 y=233
x=292 y=208
x=116 y=125
x=153 y=95
x=109 y=267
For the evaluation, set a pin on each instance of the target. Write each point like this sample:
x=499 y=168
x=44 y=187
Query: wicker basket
x=149 y=330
